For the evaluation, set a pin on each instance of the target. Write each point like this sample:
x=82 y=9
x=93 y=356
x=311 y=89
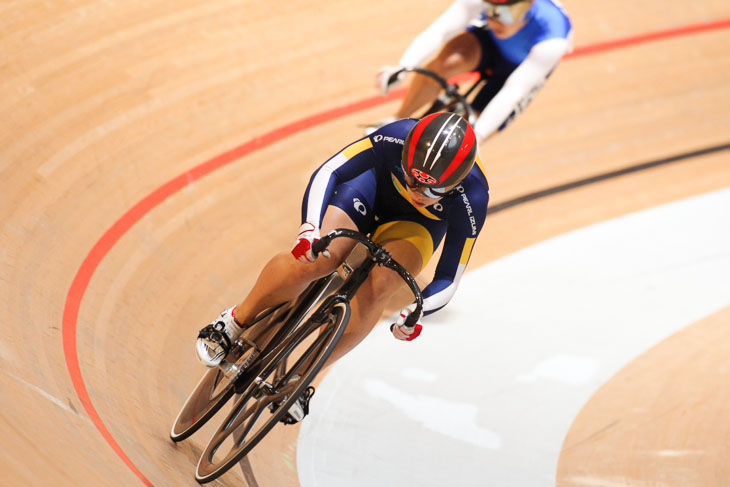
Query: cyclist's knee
x=459 y=55
x=319 y=268
x=382 y=283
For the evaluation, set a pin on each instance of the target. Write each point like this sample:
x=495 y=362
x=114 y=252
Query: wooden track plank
x=104 y=102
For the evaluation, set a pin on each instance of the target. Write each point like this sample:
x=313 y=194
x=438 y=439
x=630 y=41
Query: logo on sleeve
x=469 y=211
x=386 y=138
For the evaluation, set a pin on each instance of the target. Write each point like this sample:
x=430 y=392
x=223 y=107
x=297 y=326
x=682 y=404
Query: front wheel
x=213 y=390
x=282 y=380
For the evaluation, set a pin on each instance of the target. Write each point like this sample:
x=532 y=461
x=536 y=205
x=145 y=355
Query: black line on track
x=602 y=177
x=248 y=472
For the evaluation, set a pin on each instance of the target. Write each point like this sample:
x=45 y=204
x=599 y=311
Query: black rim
x=214 y=389
x=211 y=392
x=263 y=404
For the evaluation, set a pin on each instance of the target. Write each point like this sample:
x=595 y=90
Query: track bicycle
x=274 y=361
x=453 y=97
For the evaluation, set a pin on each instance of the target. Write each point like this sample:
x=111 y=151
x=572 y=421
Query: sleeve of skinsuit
x=460 y=239
x=521 y=86
x=456 y=18
x=350 y=162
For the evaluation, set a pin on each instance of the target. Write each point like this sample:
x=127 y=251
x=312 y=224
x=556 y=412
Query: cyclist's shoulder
x=478 y=174
x=394 y=130
x=388 y=140
x=472 y=194
x=551 y=17
x=476 y=186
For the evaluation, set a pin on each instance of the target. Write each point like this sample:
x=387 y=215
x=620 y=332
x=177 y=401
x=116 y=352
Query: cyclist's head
x=438 y=153
x=507 y=12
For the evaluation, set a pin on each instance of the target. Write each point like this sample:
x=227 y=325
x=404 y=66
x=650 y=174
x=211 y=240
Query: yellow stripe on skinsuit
x=409 y=231
x=481 y=165
x=402 y=191
x=352 y=150
x=468 y=245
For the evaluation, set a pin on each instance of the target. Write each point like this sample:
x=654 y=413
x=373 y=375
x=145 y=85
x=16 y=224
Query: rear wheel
x=281 y=380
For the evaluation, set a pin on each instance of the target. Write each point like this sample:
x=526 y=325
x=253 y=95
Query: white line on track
x=46 y=395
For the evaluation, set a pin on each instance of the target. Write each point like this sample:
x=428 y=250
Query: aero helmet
x=439 y=152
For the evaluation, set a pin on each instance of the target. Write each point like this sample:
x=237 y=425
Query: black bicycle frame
x=377 y=256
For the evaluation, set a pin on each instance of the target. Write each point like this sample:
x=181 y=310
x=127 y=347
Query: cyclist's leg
x=411 y=244
x=283 y=278
x=461 y=54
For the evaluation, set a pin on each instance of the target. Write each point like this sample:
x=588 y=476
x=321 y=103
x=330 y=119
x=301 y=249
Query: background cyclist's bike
x=271 y=365
x=458 y=97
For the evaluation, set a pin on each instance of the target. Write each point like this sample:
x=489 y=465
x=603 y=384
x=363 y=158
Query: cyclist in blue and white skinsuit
x=516 y=43
x=410 y=184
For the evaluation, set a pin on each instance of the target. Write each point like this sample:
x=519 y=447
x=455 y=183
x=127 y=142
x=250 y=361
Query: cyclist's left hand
x=385 y=79
x=400 y=331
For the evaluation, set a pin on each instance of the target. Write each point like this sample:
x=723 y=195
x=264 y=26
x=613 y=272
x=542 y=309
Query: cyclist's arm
x=451 y=267
x=460 y=240
x=521 y=86
x=350 y=162
x=453 y=21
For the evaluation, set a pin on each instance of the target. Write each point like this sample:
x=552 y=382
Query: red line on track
x=649 y=37
x=130 y=218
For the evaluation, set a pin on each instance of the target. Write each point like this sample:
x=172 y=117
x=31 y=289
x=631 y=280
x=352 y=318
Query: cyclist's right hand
x=384 y=79
x=400 y=331
x=302 y=249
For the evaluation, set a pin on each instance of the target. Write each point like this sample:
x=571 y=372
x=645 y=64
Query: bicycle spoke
x=240 y=436
x=264 y=404
x=293 y=354
x=312 y=351
x=216 y=381
x=236 y=421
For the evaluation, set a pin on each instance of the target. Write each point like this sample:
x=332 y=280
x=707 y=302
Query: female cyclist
x=409 y=184
x=516 y=44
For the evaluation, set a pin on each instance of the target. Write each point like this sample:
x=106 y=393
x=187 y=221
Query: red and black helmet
x=439 y=151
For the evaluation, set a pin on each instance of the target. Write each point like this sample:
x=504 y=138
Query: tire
x=260 y=407
x=213 y=390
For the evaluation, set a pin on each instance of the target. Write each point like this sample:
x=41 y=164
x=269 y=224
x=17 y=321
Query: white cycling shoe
x=215 y=340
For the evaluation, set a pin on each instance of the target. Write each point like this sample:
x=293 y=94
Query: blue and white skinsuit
x=518 y=65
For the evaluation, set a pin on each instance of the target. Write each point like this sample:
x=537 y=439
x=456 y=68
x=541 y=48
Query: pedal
x=298 y=410
x=243 y=354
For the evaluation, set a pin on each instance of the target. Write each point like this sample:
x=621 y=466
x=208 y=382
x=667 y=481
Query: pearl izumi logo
x=359 y=206
x=393 y=140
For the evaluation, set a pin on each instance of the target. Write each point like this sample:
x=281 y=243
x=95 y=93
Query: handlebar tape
x=320 y=245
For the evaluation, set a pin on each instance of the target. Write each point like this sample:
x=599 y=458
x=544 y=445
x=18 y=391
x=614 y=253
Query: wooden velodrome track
x=152 y=156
